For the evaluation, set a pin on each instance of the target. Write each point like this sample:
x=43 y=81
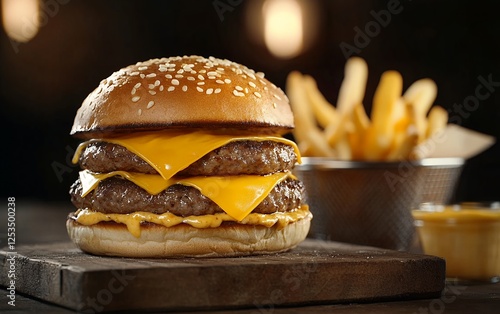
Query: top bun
x=183 y=92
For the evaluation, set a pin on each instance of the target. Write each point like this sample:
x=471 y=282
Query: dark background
x=44 y=81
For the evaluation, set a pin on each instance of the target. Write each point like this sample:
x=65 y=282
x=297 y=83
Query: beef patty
x=117 y=195
x=235 y=158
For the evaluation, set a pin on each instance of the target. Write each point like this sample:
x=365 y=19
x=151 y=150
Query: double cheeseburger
x=184 y=156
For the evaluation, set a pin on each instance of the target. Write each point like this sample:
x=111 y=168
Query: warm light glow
x=21 y=19
x=283 y=29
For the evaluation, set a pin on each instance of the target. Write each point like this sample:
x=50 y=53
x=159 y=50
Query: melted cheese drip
x=169 y=153
x=133 y=221
x=236 y=195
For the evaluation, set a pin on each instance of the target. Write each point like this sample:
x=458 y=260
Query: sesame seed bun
x=184 y=92
x=113 y=239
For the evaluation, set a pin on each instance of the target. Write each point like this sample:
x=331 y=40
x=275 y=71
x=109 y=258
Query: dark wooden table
x=38 y=223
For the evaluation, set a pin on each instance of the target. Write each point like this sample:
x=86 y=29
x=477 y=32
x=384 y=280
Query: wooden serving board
x=314 y=272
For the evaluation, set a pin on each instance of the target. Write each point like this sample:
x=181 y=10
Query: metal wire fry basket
x=369 y=203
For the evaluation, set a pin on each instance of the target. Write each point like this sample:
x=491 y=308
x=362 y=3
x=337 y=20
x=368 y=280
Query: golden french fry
x=405 y=135
x=352 y=89
x=360 y=119
x=360 y=123
x=407 y=143
x=352 y=92
x=421 y=94
x=304 y=118
x=380 y=133
x=343 y=149
x=324 y=111
x=437 y=120
x=306 y=130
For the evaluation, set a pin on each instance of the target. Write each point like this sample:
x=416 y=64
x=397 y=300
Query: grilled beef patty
x=235 y=158
x=117 y=195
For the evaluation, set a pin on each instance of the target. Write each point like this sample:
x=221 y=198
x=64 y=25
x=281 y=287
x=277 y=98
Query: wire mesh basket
x=369 y=203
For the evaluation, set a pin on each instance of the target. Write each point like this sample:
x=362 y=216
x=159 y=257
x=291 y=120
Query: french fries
x=398 y=121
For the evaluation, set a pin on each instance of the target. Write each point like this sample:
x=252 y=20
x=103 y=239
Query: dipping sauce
x=467 y=236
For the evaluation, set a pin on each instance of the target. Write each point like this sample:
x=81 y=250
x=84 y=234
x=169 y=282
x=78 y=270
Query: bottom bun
x=231 y=239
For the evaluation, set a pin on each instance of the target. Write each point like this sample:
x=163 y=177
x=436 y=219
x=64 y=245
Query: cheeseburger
x=185 y=156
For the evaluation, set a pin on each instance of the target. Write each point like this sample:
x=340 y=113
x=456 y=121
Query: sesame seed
x=200 y=83
x=180 y=71
x=239 y=94
x=277 y=97
x=252 y=84
x=151 y=75
x=142 y=75
x=246 y=90
x=190 y=78
x=193 y=72
x=139 y=112
x=168 y=76
x=184 y=88
x=227 y=81
x=210 y=91
x=260 y=74
x=199 y=89
x=157 y=83
x=170 y=88
x=275 y=105
x=151 y=86
x=263 y=82
x=187 y=67
x=152 y=92
x=171 y=70
x=217 y=90
x=142 y=68
x=203 y=71
x=135 y=98
x=237 y=87
x=257 y=94
x=133 y=91
x=244 y=76
x=150 y=104
x=212 y=77
x=220 y=69
x=179 y=76
x=134 y=73
x=137 y=85
x=219 y=82
x=201 y=77
x=213 y=73
x=161 y=88
x=265 y=88
x=175 y=82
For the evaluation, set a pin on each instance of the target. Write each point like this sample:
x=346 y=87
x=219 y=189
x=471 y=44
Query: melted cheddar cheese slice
x=169 y=153
x=133 y=221
x=236 y=195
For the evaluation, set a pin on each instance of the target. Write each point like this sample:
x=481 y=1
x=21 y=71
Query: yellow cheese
x=169 y=153
x=133 y=221
x=236 y=195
